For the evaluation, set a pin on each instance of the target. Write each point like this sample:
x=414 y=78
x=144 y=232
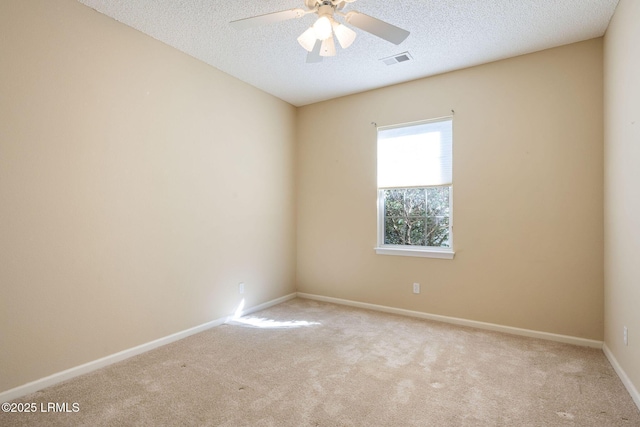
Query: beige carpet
x=318 y=364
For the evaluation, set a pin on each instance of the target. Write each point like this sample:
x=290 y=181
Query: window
x=415 y=189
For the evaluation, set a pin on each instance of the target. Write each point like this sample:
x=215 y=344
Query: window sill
x=443 y=253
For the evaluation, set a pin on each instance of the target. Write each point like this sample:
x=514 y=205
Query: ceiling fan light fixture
x=322 y=27
x=318 y=40
x=308 y=39
x=344 y=34
x=328 y=47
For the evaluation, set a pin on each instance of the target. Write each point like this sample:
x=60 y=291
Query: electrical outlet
x=241 y=288
x=416 y=288
x=625 y=334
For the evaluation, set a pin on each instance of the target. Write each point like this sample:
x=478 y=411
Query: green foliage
x=417 y=216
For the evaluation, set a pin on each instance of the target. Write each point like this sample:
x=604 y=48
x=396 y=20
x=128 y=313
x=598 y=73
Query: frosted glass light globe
x=322 y=27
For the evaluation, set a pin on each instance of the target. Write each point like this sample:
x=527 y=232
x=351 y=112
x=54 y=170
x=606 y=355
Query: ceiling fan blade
x=314 y=55
x=269 y=18
x=384 y=30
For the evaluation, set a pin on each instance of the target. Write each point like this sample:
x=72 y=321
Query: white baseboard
x=623 y=375
x=58 y=377
x=462 y=322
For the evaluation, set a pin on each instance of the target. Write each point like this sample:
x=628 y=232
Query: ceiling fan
x=318 y=39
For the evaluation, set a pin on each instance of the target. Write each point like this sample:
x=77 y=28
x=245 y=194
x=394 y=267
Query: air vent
x=395 y=59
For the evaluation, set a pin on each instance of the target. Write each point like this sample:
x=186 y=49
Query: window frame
x=411 y=250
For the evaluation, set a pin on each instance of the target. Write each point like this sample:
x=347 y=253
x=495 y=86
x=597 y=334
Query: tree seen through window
x=417 y=216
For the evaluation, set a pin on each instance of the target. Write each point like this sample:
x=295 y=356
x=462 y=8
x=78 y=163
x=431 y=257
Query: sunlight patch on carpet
x=260 y=322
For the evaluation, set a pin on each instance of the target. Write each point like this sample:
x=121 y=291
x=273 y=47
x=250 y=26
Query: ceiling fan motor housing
x=325 y=10
x=312 y=4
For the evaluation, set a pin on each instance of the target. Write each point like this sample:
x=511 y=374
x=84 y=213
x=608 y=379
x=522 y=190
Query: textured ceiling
x=445 y=35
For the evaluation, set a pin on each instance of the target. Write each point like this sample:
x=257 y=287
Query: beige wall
x=528 y=194
x=622 y=186
x=138 y=186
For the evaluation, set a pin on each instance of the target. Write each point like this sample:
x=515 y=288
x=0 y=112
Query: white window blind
x=415 y=155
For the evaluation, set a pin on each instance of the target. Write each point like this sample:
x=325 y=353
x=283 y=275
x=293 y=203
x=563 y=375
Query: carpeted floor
x=306 y=363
